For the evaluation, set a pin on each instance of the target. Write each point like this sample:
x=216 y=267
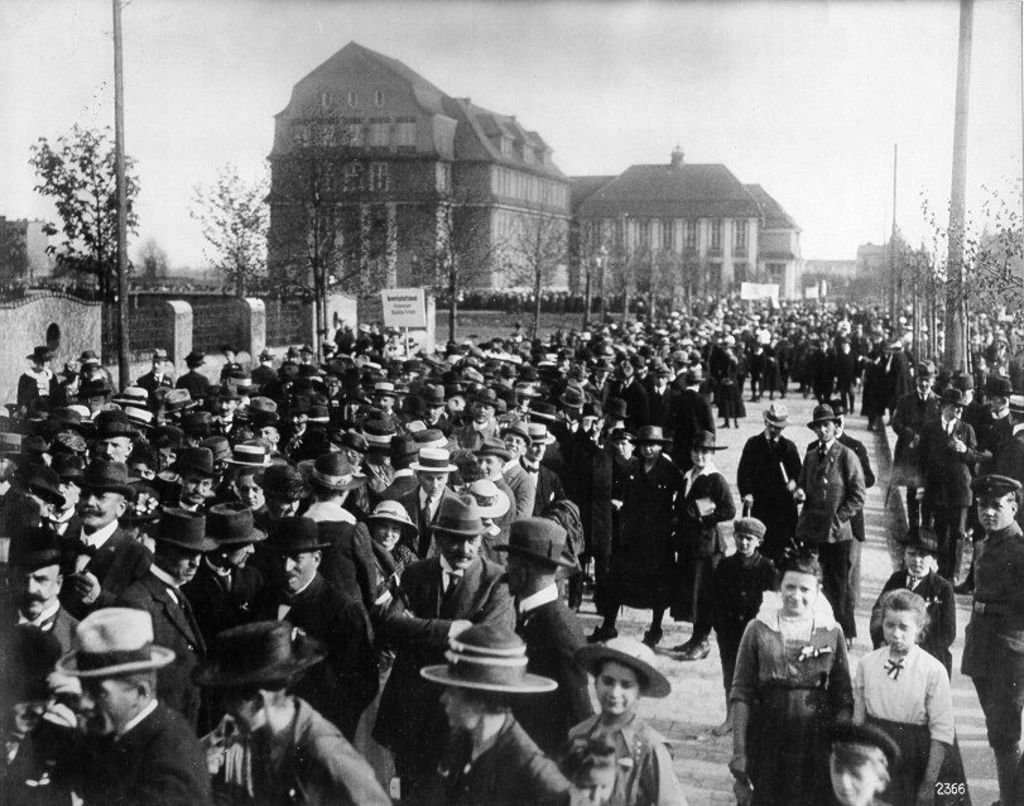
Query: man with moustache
x=181 y=542
x=131 y=748
x=108 y=559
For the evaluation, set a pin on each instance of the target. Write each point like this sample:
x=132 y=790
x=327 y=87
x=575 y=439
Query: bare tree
x=234 y=218
x=152 y=259
x=537 y=249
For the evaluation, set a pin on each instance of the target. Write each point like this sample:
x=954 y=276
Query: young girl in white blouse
x=905 y=691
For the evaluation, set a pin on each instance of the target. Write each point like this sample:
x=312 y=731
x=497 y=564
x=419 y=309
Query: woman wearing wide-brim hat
x=624 y=672
x=490 y=758
x=278 y=743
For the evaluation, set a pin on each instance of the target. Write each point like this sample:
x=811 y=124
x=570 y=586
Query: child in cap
x=740 y=582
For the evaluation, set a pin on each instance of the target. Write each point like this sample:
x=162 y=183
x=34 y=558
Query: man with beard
x=222 y=591
x=133 y=749
x=108 y=559
x=181 y=542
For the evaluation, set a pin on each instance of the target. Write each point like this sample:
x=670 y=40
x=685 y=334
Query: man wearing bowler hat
x=831 y=488
x=181 y=542
x=994 y=645
x=445 y=594
x=948 y=454
x=284 y=745
x=107 y=558
x=133 y=749
x=552 y=632
x=224 y=586
x=347 y=681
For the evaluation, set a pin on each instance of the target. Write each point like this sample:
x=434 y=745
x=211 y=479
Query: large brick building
x=382 y=177
x=685 y=227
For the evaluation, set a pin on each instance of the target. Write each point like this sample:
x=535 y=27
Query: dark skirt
x=787 y=749
x=914 y=742
x=729 y=397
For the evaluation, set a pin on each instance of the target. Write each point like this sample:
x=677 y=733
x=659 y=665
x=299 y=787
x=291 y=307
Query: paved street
x=697 y=703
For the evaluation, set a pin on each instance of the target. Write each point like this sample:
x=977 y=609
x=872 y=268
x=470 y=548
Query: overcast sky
x=806 y=99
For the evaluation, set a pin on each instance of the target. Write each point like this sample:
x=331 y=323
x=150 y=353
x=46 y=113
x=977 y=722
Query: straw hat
x=488 y=657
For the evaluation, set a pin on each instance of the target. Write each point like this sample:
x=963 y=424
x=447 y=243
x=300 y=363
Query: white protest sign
x=404 y=307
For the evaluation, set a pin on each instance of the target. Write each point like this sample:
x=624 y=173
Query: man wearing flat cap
x=181 y=542
x=108 y=558
x=994 y=641
x=552 y=632
x=134 y=749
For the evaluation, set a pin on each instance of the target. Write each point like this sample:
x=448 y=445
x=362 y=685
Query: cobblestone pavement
x=697 y=702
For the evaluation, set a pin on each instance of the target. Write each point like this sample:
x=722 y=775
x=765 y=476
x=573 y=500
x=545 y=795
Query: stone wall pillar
x=180 y=343
x=255 y=321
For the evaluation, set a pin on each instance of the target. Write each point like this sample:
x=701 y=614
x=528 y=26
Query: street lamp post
x=601 y=260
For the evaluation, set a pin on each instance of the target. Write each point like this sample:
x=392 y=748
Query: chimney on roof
x=677 y=158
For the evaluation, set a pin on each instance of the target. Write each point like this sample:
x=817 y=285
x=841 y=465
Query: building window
x=405 y=133
x=741 y=236
x=506 y=147
x=380 y=134
x=690 y=228
x=300 y=134
x=444 y=177
x=379 y=179
x=667 y=234
x=378 y=98
x=325 y=99
x=645 y=233
x=716 y=233
x=353 y=177
x=620 y=232
x=353 y=98
x=354 y=135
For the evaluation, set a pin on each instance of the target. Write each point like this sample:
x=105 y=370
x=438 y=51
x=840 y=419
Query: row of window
x=667 y=233
x=511 y=150
x=514 y=184
x=331 y=98
x=356 y=132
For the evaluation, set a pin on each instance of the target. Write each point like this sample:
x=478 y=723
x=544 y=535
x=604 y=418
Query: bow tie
x=894 y=667
x=81 y=547
x=531 y=468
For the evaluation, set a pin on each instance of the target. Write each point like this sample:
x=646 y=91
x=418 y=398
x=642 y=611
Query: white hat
x=434 y=460
x=114 y=641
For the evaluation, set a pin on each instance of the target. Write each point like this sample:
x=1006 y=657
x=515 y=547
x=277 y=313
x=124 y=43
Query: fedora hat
x=822 y=414
x=517 y=429
x=432 y=395
x=460 y=516
x=40 y=355
x=485 y=397
x=433 y=460
x=616 y=408
x=264 y=654
x=777 y=414
x=132 y=396
x=572 y=398
x=195 y=460
x=184 y=529
x=538 y=539
x=998 y=386
x=295 y=535
x=114 y=641
x=393 y=512
x=629 y=652
x=488 y=657
x=332 y=471
x=492 y=446
x=197 y=423
x=167 y=436
x=493 y=502
x=705 y=441
x=94 y=387
x=39 y=546
x=651 y=435
x=106 y=476
x=219 y=447
x=43 y=481
x=378 y=433
x=284 y=481
x=231 y=524
x=952 y=397
x=110 y=424
x=622 y=435
x=89 y=357
x=430 y=438
x=176 y=400
x=352 y=440
x=251 y=453
x=541 y=410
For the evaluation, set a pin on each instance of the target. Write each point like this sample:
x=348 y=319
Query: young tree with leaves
x=151 y=260
x=234 y=217
x=77 y=172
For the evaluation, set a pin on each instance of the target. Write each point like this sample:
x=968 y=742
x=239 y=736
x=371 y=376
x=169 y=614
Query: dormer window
x=378 y=98
x=353 y=98
x=325 y=99
x=505 y=145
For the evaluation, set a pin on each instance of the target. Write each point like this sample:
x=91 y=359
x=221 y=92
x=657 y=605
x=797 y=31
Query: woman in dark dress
x=490 y=758
x=643 y=570
x=792 y=682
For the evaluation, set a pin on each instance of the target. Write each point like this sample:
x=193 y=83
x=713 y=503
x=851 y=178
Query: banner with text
x=768 y=291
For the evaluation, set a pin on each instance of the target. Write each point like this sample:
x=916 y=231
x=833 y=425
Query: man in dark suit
x=134 y=748
x=445 y=594
x=633 y=392
x=690 y=415
x=181 y=542
x=766 y=477
x=432 y=468
x=551 y=631
x=193 y=380
x=108 y=559
x=347 y=681
x=948 y=455
x=913 y=410
x=159 y=376
x=222 y=591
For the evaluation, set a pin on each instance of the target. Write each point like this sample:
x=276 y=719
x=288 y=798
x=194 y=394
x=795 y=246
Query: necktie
x=451 y=579
x=822 y=452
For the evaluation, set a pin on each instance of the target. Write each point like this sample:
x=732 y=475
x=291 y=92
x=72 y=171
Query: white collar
x=43 y=617
x=101 y=535
x=404 y=472
x=424 y=501
x=164 y=577
x=828 y=445
x=541 y=597
x=446 y=567
x=135 y=720
x=771 y=604
x=221 y=572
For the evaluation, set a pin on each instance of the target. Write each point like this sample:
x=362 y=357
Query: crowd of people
x=355 y=576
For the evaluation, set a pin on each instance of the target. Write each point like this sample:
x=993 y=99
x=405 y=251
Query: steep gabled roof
x=583 y=187
x=773 y=215
x=672 y=191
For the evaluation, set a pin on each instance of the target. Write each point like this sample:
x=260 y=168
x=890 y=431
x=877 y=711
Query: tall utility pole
x=956 y=338
x=894 y=287
x=122 y=205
